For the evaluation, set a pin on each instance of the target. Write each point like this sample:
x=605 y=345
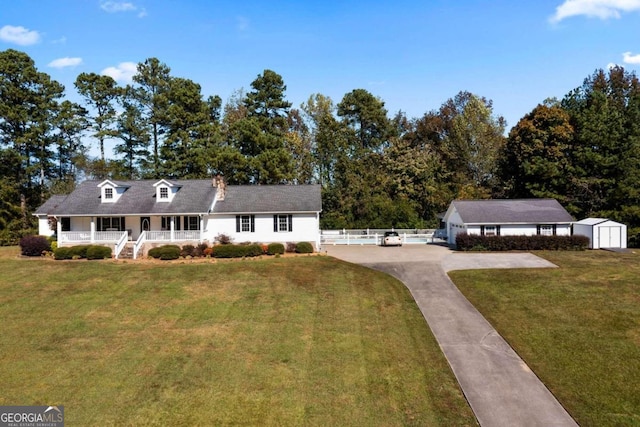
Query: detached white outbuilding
x=602 y=233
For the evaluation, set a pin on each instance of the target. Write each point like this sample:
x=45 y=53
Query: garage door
x=610 y=237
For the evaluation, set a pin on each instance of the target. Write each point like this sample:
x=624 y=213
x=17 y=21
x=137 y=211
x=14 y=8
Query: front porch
x=131 y=231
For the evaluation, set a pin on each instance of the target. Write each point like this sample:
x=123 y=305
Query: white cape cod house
x=134 y=213
x=507 y=217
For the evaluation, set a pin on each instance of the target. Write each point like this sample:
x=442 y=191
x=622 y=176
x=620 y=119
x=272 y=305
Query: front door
x=145 y=223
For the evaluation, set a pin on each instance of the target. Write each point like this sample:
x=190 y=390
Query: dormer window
x=166 y=190
x=111 y=191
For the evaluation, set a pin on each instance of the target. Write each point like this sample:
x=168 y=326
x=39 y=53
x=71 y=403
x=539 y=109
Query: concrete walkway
x=499 y=386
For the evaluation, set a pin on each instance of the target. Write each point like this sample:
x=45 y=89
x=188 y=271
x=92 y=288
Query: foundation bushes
x=165 y=253
x=304 y=248
x=472 y=242
x=275 y=249
x=98 y=252
x=82 y=252
x=237 y=251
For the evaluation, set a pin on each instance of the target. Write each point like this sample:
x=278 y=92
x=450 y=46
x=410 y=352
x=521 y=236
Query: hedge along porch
x=124 y=213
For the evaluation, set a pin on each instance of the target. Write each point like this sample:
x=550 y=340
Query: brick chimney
x=221 y=187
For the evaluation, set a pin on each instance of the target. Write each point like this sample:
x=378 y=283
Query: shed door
x=610 y=237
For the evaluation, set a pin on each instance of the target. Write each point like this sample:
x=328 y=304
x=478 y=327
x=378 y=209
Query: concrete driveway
x=499 y=386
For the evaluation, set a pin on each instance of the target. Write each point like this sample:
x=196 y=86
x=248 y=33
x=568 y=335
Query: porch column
x=201 y=227
x=59 y=228
x=93 y=229
x=172 y=228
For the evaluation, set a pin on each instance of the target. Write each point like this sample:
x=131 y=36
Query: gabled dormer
x=111 y=191
x=165 y=191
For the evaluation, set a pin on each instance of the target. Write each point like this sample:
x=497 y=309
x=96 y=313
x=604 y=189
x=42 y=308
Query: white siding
x=305 y=228
x=43 y=226
x=455 y=225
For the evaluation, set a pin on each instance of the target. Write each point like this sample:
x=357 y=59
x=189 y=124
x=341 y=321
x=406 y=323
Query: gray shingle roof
x=193 y=197
x=270 y=198
x=50 y=205
x=502 y=211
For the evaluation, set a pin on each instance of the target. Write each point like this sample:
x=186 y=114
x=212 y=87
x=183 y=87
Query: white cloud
x=122 y=6
x=19 y=35
x=124 y=72
x=65 y=62
x=630 y=58
x=117 y=6
x=603 y=9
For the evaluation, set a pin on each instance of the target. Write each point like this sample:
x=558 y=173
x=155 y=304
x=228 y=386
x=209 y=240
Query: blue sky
x=414 y=55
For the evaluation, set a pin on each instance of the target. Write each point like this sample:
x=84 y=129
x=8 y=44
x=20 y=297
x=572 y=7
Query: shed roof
x=512 y=211
x=596 y=221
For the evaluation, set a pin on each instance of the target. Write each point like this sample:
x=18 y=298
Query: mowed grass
x=290 y=341
x=577 y=327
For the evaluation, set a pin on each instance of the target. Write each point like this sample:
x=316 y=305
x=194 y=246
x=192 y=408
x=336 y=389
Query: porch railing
x=165 y=236
x=85 y=236
x=121 y=243
x=138 y=245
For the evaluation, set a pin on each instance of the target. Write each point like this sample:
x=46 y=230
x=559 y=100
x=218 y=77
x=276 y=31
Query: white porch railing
x=165 y=236
x=138 y=245
x=120 y=244
x=85 y=236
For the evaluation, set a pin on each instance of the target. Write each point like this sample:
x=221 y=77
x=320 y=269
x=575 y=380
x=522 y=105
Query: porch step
x=127 y=252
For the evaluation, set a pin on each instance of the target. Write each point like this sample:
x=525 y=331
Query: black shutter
x=275 y=223
x=290 y=222
x=537 y=230
x=554 y=229
x=99 y=224
x=482 y=230
x=176 y=221
x=497 y=230
x=237 y=223
x=253 y=223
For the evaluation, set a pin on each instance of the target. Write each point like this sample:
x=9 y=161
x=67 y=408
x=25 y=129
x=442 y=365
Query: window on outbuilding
x=489 y=230
x=546 y=230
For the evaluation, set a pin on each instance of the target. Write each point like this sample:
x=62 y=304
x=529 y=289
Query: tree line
x=376 y=170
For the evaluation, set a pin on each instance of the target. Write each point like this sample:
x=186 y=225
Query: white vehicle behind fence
x=391 y=238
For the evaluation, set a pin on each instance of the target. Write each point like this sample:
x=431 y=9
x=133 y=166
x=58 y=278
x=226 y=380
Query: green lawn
x=290 y=341
x=577 y=327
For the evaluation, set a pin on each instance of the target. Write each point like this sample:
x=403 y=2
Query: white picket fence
x=374 y=236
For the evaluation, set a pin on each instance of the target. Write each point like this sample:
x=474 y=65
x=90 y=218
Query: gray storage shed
x=602 y=233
